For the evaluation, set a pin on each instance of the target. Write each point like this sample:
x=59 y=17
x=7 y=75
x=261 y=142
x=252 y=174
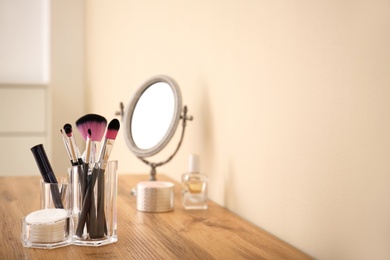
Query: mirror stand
x=152 y=117
x=153 y=166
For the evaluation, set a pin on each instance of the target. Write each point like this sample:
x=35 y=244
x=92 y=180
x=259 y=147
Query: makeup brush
x=97 y=124
x=92 y=126
x=85 y=188
x=96 y=215
x=75 y=152
x=109 y=140
x=108 y=143
x=67 y=148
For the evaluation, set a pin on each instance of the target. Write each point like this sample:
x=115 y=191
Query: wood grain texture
x=215 y=233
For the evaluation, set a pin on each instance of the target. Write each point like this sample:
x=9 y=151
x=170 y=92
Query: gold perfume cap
x=155 y=196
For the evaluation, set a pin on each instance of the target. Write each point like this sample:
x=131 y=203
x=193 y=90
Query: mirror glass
x=152 y=116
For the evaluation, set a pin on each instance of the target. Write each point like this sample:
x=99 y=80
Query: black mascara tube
x=47 y=172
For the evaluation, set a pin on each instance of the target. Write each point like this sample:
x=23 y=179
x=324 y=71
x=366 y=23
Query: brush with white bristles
x=67 y=148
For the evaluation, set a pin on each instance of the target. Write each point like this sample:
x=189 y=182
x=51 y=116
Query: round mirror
x=152 y=116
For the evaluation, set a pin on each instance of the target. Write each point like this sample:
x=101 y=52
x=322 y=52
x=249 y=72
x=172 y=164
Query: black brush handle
x=85 y=211
x=84 y=180
x=101 y=219
x=93 y=227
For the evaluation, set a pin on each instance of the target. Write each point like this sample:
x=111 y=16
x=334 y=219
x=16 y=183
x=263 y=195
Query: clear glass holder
x=93 y=203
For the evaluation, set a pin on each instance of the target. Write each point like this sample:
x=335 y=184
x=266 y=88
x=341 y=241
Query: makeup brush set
x=92 y=192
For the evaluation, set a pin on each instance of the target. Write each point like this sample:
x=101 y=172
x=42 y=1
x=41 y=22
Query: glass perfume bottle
x=194 y=185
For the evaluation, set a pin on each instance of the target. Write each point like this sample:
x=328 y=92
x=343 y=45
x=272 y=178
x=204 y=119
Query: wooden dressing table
x=215 y=233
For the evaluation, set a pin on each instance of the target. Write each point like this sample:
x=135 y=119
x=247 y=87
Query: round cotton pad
x=47 y=225
x=45 y=216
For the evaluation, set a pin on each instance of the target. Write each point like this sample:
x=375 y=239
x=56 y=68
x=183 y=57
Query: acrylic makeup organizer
x=55 y=226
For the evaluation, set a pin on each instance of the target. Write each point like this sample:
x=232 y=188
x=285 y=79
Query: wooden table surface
x=215 y=233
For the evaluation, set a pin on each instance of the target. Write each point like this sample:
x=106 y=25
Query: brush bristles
x=112 y=129
x=96 y=123
x=68 y=130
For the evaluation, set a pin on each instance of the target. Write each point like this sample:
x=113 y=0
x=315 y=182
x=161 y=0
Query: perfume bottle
x=194 y=186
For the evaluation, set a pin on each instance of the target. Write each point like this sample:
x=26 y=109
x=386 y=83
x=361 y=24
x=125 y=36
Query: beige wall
x=66 y=91
x=291 y=107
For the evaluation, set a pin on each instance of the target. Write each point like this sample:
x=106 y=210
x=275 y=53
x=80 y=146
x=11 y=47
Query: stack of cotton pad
x=155 y=196
x=48 y=225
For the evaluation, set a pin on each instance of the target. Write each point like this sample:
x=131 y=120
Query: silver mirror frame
x=128 y=116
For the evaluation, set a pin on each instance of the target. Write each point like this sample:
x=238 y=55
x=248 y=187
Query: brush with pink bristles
x=109 y=140
x=97 y=124
x=91 y=128
x=108 y=143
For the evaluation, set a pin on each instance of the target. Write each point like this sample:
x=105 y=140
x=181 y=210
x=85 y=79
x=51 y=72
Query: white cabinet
x=22 y=110
x=17 y=158
x=23 y=125
x=24 y=79
x=24 y=37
